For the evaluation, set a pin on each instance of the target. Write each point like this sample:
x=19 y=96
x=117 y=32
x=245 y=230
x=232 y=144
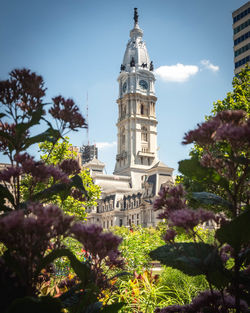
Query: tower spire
x=136 y=16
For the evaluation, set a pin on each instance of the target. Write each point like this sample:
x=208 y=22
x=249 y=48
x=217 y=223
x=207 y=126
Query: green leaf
x=51 y=191
x=77 y=182
x=92 y=308
x=45 y=136
x=244 y=257
x=71 y=297
x=237 y=232
x=21 y=128
x=35 y=305
x=192 y=168
x=200 y=174
x=81 y=269
x=112 y=308
x=120 y=275
x=6 y=194
x=192 y=259
x=210 y=198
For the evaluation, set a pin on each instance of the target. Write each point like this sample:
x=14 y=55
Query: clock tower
x=136 y=125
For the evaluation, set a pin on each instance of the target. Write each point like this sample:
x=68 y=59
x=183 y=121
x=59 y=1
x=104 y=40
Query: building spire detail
x=136 y=16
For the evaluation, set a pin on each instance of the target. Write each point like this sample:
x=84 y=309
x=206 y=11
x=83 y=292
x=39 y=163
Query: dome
x=136 y=54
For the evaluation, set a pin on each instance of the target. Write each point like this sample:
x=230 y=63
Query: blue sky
x=78 y=46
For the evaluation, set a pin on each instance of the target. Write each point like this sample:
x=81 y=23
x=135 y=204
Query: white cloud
x=208 y=65
x=105 y=145
x=176 y=73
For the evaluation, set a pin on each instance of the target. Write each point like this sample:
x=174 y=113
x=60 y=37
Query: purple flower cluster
x=188 y=219
x=100 y=244
x=170 y=199
x=232 y=126
x=24 y=88
x=39 y=171
x=9 y=130
x=226 y=252
x=70 y=167
x=103 y=250
x=66 y=112
x=7 y=175
x=28 y=237
x=175 y=210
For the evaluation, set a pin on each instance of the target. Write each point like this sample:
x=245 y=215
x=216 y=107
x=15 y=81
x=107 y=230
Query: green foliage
x=239 y=98
x=136 y=245
x=182 y=288
x=60 y=194
x=57 y=152
x=237 y=232
x=191 y=258
x=146 y=291
x=220 y=184
x=194 y=176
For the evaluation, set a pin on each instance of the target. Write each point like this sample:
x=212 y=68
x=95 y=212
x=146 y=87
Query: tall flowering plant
x=225 y=140
x=32 y=229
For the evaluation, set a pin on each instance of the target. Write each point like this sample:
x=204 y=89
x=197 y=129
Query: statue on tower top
x=136 y=16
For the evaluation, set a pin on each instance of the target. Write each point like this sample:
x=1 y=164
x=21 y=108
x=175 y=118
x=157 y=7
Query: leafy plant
x=225 y=143
x=32 y=227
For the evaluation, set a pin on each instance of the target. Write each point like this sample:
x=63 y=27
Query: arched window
x=144 y=134
x=142 y=109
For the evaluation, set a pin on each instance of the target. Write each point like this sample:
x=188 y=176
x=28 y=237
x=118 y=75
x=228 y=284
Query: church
x=128 y=194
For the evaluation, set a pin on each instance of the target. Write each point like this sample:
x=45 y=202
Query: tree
x=194 y=176
x=74 y=204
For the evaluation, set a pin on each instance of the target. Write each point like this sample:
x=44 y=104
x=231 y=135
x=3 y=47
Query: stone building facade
x=128 y=194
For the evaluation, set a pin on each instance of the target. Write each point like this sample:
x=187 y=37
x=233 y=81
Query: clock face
x=143 y=84
x=124 y=87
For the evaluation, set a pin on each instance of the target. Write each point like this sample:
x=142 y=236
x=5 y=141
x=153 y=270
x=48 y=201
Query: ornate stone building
x=127 y=195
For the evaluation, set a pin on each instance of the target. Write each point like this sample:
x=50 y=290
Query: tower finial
x=136 y=16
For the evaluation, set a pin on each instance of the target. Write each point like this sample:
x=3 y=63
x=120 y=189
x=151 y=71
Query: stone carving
x=151 y=66
x=123 y=67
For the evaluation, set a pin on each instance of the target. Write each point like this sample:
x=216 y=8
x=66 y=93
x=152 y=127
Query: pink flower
x=70 y=167
x=67 y=113
x=185 y=218
x=170 y=235
x=39 y=171
x=8 y=174
x=96 y=241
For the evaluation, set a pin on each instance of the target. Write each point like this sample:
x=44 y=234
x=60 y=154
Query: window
x=241 y=15
x=144 y=134
x=242 y=61
x=241 y=26
x=241 y=38
x=242 y=50
x=142 y=109
x=123 y=136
